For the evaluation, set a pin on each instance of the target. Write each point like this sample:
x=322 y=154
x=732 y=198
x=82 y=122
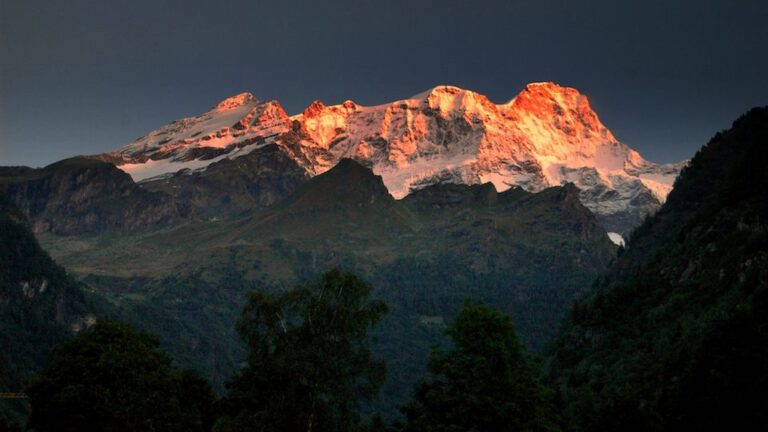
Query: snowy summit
x=545 y=136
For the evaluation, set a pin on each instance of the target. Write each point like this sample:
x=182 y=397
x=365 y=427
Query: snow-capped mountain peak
x=450 y=99
x=235 y=102
x=232 y=128
x=564 y=106
x=545 y=136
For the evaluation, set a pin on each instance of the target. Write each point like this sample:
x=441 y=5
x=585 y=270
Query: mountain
x=40 y=306
x=81 y=195
x=255 y=180
x=546 y=136
x=675 y=335
x=530 y=254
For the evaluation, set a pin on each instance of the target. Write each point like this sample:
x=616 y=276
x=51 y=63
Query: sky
x=85 y=77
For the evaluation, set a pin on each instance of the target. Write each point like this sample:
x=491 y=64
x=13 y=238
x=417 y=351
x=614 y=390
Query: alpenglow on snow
x=545 y=136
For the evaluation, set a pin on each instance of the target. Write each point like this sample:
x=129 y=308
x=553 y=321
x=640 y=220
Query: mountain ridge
x=673 y=335
x=79 y=194
x=545 y=136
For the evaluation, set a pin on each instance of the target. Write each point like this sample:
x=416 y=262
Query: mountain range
x=545 y=136
x=431 y=199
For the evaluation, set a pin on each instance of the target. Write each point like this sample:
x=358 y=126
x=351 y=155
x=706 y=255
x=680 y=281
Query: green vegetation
x=675 y=335
x=112 y=378
x=310 y=368
x=40 y=306
x=530 y=255
x=309 y=361
x=485 y=382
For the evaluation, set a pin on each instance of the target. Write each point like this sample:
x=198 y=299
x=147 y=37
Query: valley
x=423 y=254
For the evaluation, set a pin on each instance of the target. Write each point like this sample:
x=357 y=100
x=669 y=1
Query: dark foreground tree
x=8 y=425
x=310 y=363
x=113 y=378
x=485 y=382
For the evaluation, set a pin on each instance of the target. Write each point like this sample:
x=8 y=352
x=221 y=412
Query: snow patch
x=659 y=184
x=617 y=239
x=154 y=169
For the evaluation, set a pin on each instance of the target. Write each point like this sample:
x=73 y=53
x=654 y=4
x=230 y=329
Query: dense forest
x=675 y=335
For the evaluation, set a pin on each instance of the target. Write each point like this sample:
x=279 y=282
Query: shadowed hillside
x=675 y=335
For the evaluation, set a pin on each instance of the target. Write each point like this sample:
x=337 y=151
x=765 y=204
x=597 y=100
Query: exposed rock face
x=450 y=195
x=259 y=179
x=80 y=195
x=546 y=136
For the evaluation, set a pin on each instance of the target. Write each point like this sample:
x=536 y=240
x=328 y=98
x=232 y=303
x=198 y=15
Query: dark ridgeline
x=82 y=195
x=675 y=335
x=530 y=254
x=424 y=255
x=86 y=195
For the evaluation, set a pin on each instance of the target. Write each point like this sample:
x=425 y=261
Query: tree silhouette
x=309 y=362
x=485 y=382
x=112 y=378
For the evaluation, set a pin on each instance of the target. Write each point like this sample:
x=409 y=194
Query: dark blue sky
x=81 y=77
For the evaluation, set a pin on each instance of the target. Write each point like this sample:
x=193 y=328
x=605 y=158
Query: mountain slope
x=529 y=254
x=40 y=306
x=81 y=195
x=233 y=128
x=674 y=336
x=545 y=136
x=255 y=180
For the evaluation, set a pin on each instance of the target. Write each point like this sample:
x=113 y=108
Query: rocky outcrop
x=81 y=195
x=259 y=179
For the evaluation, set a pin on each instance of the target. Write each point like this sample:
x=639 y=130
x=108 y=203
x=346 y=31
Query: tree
x=309 y=363
x=113 y=378
x=8 y=425
x=485 y=382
